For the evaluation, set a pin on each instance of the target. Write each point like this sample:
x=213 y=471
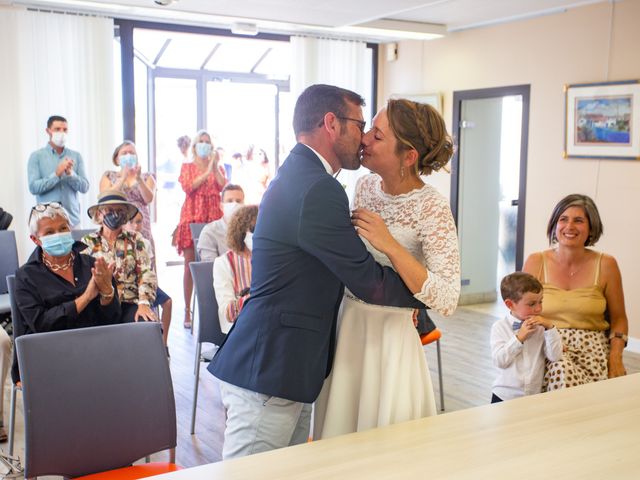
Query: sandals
x=187 y=319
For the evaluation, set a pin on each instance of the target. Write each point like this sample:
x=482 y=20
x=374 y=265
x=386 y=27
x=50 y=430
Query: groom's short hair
x=318 y=100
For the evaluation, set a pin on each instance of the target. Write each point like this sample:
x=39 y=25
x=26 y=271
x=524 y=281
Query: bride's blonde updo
x=420 y=127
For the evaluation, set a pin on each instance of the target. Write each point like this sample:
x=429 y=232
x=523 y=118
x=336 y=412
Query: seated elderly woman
x=232 y=271
x=583 y=296
x=60 y=288
x=136 y=282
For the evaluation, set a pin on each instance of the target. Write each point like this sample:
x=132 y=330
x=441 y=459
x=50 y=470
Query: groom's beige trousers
x=259 y=423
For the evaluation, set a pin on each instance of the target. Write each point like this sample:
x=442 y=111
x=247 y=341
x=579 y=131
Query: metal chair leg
x=440 y=375
x=12 y=417
x=193 y=311
x=196 y=381
x=198 y=358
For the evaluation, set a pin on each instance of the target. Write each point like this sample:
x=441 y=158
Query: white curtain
x=343 y=63
x=53 y=64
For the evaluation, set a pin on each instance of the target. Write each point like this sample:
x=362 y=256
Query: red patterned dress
x=201 y=205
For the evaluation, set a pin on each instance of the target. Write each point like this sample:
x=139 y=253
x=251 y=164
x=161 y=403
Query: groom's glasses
x=361 y=123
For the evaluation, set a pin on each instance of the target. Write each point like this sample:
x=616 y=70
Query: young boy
x=162 y=299
x=521 y=341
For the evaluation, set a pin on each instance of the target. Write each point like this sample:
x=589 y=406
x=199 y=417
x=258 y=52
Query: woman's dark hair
x=243 y=220
x=590 y=210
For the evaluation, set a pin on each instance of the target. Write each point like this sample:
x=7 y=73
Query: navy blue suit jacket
x=305 y=251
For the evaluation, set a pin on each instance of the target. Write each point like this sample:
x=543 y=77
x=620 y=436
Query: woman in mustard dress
x=583 y=296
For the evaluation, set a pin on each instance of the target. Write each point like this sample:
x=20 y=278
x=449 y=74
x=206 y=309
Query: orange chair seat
x=132 y=473
x=430 y=337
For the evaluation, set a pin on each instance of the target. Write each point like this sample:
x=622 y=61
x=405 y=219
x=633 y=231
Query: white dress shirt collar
x=326 y=165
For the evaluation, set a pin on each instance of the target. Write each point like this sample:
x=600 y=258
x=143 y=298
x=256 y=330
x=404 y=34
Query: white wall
x=545 y=52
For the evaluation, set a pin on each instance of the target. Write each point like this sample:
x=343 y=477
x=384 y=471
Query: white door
x=489 y=160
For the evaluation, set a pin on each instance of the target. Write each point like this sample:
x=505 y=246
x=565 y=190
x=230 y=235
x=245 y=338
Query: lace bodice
x=422 y=222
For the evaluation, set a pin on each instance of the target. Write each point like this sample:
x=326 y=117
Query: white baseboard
x=633 y=345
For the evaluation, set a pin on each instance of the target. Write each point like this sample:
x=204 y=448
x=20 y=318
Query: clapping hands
x=64 y=167
x=102 y=275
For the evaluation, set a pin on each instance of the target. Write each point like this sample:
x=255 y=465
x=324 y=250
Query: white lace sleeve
x=441 y=290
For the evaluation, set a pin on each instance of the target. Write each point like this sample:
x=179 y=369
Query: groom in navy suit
x=305 y=250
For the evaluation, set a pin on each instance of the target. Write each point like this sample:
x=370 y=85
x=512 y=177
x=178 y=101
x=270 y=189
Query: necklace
x=567 y=269
x=55 y=268
x=571 y=274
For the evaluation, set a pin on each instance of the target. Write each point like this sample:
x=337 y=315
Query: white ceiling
x=314 y=15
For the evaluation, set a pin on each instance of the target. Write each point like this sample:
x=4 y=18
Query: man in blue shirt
x=56 y=173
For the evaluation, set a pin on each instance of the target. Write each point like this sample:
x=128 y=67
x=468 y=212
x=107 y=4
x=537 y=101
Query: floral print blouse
x=135 y=279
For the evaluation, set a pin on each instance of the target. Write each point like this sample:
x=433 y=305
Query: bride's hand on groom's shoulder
x=371 y=226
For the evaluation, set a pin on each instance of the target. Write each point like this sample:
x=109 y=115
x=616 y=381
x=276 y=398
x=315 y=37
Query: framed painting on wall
x=602 y=120
x=432 y=99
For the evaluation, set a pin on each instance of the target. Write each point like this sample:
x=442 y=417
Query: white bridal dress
x=380 y=374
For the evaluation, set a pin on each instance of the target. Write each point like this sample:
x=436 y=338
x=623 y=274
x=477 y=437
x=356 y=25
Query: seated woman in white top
x=232 y=271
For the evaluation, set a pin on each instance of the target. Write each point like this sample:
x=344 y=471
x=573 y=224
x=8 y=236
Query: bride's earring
x=402 y=172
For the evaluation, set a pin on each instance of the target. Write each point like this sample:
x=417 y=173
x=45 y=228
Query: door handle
x=514 y=203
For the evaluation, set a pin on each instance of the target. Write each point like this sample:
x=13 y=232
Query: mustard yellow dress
x=579 y=315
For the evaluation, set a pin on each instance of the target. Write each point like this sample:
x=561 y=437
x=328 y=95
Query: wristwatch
x=619 y=335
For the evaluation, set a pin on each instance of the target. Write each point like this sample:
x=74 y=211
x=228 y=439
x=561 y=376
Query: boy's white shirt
x=521 y=365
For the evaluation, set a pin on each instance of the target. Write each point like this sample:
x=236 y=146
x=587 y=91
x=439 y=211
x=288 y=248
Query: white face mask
x=58 y=138
x=248 y=240
x=229 y=209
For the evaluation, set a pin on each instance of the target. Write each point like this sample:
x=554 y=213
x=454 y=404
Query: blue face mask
x=128 y=160
x=203 y=149
x=57 y=244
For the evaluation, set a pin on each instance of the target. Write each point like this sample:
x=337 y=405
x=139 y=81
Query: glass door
x=243 y=118
x=175 y=117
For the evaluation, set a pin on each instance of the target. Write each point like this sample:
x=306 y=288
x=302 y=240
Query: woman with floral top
x=135 y=279
x=139 y=188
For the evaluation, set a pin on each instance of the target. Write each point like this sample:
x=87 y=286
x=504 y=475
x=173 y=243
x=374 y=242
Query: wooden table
x=587 y=432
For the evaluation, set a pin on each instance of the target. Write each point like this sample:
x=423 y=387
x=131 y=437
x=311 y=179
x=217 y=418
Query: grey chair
x=196 y=229
x=81 y=232
x=96 y=399
x=19 y=329
x=8 y=265
x=208 y=324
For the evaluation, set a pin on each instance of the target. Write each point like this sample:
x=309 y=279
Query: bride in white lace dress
x=380 y=374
